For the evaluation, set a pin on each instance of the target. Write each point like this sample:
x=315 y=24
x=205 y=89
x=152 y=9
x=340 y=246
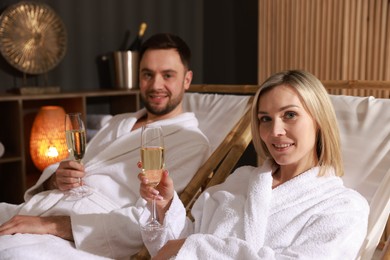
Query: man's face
x=163 y=80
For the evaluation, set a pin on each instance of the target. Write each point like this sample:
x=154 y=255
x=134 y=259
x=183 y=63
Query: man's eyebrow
x=169 y=71
x=164 y=71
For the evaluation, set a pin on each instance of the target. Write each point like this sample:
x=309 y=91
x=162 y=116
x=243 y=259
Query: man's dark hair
x=165 y=41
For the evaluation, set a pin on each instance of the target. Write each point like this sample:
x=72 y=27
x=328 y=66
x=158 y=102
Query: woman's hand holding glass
x=162 y=193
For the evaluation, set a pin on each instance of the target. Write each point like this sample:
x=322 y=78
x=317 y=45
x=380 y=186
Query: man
x=106 y=222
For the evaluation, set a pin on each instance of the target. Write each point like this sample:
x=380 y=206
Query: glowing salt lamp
x=47 y=140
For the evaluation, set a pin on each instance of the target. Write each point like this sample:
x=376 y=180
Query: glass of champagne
x=152 y=158
x=76 y=142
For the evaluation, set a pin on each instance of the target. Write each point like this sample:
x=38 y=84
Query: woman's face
x=288 y=131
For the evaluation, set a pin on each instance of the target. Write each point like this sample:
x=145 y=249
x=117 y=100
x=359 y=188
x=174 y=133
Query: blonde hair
x=317 y=103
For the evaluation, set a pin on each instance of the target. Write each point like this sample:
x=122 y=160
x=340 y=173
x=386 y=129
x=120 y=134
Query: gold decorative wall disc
x=32 y=37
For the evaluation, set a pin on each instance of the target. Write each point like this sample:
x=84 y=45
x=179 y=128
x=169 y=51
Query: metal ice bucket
x=126 y=69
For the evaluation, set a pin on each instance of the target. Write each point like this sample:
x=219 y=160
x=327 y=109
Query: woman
x=293 y=206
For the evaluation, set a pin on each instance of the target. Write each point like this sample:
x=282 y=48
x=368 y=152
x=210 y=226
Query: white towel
x=308 y=217
x=39 y=247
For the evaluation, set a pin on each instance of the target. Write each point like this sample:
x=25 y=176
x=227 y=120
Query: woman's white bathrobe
x=111 y=169
x=308 y=217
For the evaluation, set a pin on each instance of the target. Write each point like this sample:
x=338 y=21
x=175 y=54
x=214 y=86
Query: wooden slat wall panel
x=360 y=92
x=333 y=39
x=362 y=88
x=378 y=89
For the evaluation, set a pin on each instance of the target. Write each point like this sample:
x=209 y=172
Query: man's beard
x=171 y=105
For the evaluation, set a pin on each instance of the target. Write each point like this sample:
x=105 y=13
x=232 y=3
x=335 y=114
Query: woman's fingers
x=148 y=192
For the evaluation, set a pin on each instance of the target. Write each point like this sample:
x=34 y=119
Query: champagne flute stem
x=154 y=211
x=81 y=182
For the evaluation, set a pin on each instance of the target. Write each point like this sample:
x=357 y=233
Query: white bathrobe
x=308 y=217
x=111 y=170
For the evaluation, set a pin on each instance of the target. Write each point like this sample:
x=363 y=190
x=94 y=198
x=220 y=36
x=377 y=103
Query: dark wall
x=222 y=35
x=230 y=37
x=97 y=27
x=230 y=49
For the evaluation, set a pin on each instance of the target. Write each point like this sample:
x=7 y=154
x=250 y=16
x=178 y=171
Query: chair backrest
x=216 y=111
x=364 y=124
x=365 y=136
x=225 y=119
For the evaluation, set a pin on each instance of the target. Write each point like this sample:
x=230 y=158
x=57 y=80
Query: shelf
x=6 y=158
x=17 y=171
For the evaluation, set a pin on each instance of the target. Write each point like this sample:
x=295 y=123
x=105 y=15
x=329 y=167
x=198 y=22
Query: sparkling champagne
x=152 y=163
x=76 y=141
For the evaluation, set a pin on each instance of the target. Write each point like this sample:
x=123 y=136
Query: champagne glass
x=76 y=142
x=152 y=158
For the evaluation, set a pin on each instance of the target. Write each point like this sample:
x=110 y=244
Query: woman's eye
x=290 y=115
x=264 y=119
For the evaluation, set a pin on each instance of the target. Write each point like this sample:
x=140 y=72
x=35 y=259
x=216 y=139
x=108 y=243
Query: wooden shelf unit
x=17 y=171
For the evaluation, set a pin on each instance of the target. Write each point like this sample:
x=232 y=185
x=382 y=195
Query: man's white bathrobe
x=308 y=217
x=111 y=170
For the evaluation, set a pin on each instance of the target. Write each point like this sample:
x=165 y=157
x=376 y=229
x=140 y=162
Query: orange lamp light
x=47 y=140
